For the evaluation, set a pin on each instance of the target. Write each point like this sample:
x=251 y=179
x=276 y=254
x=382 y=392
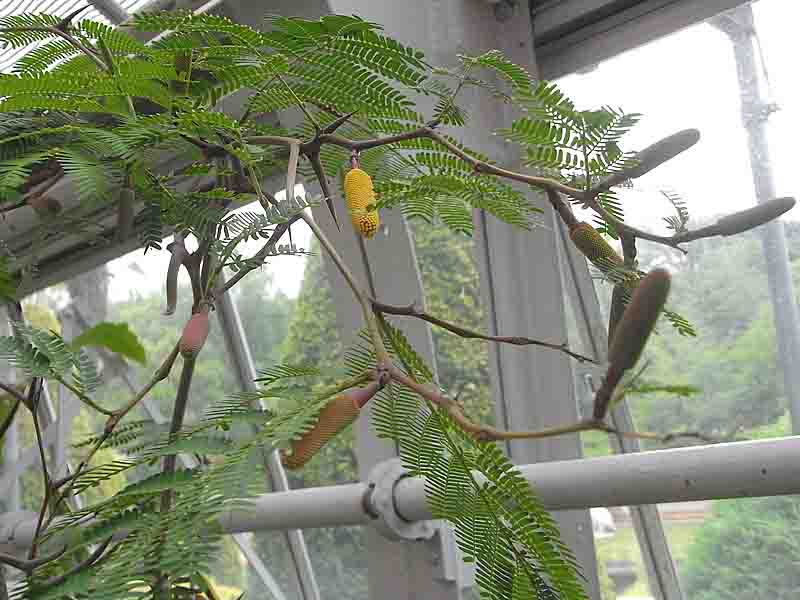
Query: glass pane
x=452 y=292
x=722 y=286
x=131 y=289
x=338 y=554
x=741 y=549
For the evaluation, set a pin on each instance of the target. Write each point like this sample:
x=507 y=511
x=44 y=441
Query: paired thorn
x=319 y=171
x=64 y=24
x=332 y=127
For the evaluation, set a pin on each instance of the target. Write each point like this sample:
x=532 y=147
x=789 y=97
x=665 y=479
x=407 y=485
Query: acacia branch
x=33 y=399
x=9 y=389
x=490 y=434
x=178 y=414
x=258 y=258
x=28 y=566
x=412 y=311
x=93 y=558
x=83 y=397
x=363 y=300
x=9 y=418
x=588 y=198
x=160 y=374
x=663 y=438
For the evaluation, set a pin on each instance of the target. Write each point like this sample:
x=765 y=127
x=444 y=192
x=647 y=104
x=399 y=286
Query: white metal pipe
x=330 y=506
x=734 y=470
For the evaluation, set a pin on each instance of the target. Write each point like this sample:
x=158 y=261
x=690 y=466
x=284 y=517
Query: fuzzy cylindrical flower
x=594 y=246
x=359 y=195
x=338 y=413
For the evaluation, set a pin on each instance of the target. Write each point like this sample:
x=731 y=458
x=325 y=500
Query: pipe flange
x=380 y=504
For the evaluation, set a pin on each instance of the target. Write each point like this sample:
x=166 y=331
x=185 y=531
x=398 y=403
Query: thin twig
x=34 y=395
x=85 y=564
x=363 y=300
x=83 y=397
x=9 y=418
x=484 y=167
x=413 y=311
x=488 y=434
x=664 y=438
x=11 y=391
x=27 y=566
x=259 y=257
x=160 y=374
x=591 y=201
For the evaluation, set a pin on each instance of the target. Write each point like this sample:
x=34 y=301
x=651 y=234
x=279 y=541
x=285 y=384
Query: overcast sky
x=685 y=80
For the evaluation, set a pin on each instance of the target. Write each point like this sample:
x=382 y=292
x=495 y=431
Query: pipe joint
x=381 y=505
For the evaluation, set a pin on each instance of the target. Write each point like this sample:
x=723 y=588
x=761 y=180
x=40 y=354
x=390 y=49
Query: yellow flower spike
x=594 y=246
x=359 y=194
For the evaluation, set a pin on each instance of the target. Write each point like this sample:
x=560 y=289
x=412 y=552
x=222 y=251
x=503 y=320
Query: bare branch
x=412 y=311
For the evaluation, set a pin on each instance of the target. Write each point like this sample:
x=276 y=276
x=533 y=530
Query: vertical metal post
x=386 y=267
x=661 y=573
x=111 y=10
x=520 y=273
x=239 y=352
x=739 y=26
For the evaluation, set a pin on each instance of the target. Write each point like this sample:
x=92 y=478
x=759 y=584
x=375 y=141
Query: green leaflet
x=116 y=337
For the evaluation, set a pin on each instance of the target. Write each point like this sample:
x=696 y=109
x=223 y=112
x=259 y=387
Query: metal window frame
x=574 y=39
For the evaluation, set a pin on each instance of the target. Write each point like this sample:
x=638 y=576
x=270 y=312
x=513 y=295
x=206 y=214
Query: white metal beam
x=521 y=279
